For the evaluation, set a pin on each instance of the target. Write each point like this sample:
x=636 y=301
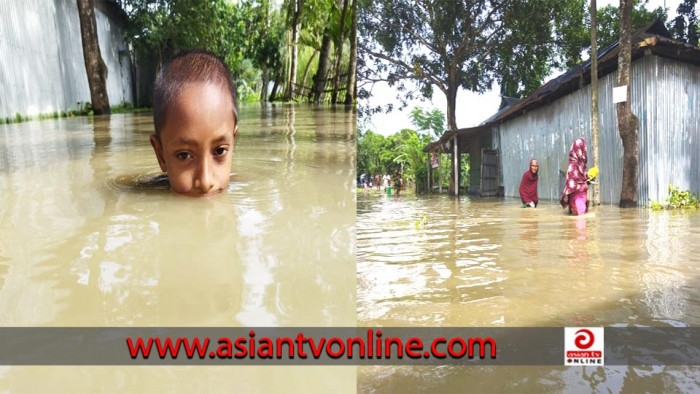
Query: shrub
x=677 y=199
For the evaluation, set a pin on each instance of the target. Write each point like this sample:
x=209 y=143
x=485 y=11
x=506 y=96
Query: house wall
x=42 y=69
x=663 y=96
x=672 y=150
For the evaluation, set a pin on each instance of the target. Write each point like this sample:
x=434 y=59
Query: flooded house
x=665 y=96
x=42 y=69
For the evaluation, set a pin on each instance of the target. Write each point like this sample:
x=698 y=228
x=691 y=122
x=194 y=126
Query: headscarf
x=528 y=185
x=576 y=174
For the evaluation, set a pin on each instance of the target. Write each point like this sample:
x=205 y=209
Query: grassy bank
x=84 y=109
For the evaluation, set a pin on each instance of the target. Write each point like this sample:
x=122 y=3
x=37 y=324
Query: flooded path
x=490 y=263
x=84 y=241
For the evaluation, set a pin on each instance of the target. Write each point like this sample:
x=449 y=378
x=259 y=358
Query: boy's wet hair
x=189 y=67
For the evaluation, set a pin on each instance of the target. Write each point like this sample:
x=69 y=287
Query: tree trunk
x=308 y=67
x=265 y=81
x=451 y=96
x=594 y=98
x=440 y=172
x=94 y=65
x=339 y=52
x=276 y=86
x=289 y=95
x=264 y=5
x=451 y=189
x=352 y=66
x=626 y=121
x=323 y=65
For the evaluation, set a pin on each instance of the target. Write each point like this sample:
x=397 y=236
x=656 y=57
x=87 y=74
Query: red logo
x=585 y=340
x=584 y=345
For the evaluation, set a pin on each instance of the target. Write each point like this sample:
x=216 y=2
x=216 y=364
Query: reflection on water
x=87 y=241
x=488 y=262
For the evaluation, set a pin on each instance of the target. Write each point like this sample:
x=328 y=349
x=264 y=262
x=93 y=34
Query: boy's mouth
x=200 y=194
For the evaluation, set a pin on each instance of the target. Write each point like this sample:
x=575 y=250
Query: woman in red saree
x=575 y=195
x=528 y=186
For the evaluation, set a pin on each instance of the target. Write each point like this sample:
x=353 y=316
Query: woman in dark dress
x=528 y=185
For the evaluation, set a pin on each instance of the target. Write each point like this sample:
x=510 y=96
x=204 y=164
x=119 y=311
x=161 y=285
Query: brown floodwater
x=87 y=240
x=440 y=261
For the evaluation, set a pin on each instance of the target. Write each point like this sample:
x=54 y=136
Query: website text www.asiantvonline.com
x=374 y=346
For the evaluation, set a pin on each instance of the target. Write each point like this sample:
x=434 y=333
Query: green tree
x=320 y=78
x=168 y=26
x=546 y=36
x=428 y=121
x=609 y=21
x=452 y=45
x=412 y=158
x=249 y=36
x=315 y=17
x=685 y=26
x=295 y=8
x=339 y=52
x=369 y=153
x=162 y=28
x=351 y=83
x=264 y=30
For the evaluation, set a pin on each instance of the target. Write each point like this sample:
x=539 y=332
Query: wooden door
x=489 y=172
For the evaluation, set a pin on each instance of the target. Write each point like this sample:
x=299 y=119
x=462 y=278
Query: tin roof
x=654 y=38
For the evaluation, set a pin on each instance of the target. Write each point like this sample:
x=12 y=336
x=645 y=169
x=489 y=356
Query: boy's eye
x=183 y=155
x=220 y=151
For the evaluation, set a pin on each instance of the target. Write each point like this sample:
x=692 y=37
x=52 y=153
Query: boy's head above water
x=194 y=111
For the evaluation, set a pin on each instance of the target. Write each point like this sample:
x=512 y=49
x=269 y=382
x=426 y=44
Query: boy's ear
x=235 y=132
x=158 y=149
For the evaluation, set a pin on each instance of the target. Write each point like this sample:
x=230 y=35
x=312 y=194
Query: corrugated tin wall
x=115 y=55
x=42 y=69
x=665 y=96
x=675 y=119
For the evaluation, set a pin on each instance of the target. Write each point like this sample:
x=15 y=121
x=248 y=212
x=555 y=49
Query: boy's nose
x=204 y=181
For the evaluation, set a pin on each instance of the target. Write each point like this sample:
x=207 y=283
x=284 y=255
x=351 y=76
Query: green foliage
x=677 y=199
x=234 y=31
x=250 y=36
x=168 y=26
x=685 y=26
x=412 y=158
x=465 y=170
x=315 y=15
x=264 y=31
x=125 y=108
x=450 y=44
x=609 y=25
x=571 y=33
x=542 y=35
x=84 y=108
x=428 y=121
x=50 y=115
x=377 y=154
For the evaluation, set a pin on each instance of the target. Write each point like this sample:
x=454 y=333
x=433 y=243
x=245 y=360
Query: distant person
x=528 y=186
x=575 y=195
x=377 y=182
x=385 y=181
x=194 y=112
x=397 y=182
